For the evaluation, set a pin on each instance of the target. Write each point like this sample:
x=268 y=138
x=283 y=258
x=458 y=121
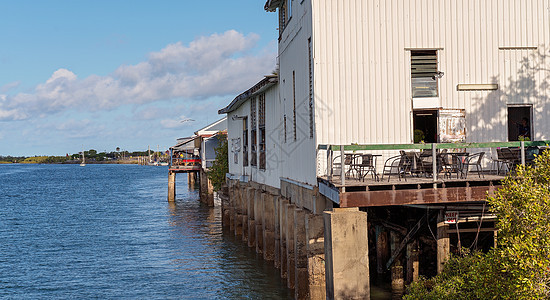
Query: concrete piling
x=346 y=254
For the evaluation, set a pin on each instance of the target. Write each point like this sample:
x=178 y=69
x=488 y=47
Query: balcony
x=409 y=174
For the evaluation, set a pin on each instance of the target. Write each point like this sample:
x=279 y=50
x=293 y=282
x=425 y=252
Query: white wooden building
x=253 y=133
x=371 y=72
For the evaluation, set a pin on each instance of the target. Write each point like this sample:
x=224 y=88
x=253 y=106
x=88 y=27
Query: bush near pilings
x=519 y=268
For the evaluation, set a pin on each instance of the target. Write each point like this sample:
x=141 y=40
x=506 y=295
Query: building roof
x=185 y=143
x=264 y=84
x=272 y=5
x=213 y=128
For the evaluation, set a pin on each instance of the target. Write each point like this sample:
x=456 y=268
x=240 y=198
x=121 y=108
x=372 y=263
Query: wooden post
x=171 y=186
x=397 y=282
x=412 y=262
x=382 y=251
x=443 y=247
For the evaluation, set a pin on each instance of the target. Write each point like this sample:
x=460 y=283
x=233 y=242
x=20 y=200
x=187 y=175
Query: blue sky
x=106 y=74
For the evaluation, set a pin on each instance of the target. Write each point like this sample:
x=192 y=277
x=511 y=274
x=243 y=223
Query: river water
x=107 y=231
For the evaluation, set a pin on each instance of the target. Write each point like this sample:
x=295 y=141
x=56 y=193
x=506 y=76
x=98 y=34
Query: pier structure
x=194 y=156
x=336 y=239
x=380 y=144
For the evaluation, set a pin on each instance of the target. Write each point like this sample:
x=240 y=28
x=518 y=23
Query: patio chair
x=367 y=165
x=397 y=165
x=509 y=158
x=348 y=161
x=474 y=160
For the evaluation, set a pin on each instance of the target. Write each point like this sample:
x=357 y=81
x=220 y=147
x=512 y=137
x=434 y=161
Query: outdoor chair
x=474 y=160
x=348 y=161
x=509 y=158
x=367 y=165
x=396 y=165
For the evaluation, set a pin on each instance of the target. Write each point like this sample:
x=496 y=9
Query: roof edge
x=262 y=85
x=272 y=5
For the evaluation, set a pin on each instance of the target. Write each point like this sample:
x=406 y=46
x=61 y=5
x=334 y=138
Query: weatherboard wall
x=363 y=73
x=271 y=175
x=298 y=150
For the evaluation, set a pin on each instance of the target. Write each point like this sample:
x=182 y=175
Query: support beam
x=171 y=186
x=291 y=256
x=251 y=221
x=401 y=246
x=382 y=250
x=283 y=226
x=277 y=213
x=443 y=246
x=346 y=254
x=258 y=220
x=315 y=248
x=268 y=226
x=412 y=262
x=397 y=280
x=300 y=253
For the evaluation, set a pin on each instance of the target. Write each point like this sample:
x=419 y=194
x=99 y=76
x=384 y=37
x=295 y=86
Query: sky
x=105 y=74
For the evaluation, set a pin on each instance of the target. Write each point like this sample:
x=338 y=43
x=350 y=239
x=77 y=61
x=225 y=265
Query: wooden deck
x=412 y=191
x=395 y=182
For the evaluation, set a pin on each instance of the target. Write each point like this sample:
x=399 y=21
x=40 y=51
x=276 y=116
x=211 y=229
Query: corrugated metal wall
x=362 y=64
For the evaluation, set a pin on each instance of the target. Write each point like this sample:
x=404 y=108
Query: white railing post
x=522 y=143
x=434 y=162
x=342 y=166
x=329 y=163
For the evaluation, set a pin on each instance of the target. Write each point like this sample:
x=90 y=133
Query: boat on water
x=83 y=163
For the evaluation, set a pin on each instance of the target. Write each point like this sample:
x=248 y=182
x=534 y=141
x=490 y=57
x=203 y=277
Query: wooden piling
x=443 y=246
x=397 y=280
x=171 y=186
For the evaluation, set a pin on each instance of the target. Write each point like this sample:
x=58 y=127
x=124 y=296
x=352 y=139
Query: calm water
x=107 y=231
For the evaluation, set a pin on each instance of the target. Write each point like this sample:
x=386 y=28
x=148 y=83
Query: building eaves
x=260 y=87
x=208 y=130
x=272 y=5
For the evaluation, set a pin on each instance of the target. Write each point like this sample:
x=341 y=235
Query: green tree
x=519 y=268
x=220 y=166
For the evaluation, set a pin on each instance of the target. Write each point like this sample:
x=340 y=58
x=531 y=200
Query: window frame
x=421 y=71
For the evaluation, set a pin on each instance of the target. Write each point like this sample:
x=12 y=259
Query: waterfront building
x=194 y=155
x=359 y=83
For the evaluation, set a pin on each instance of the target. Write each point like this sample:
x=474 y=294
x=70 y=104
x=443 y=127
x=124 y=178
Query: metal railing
x=432 y=146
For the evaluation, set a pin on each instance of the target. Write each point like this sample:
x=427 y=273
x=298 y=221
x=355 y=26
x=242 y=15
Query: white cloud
x=216 y=65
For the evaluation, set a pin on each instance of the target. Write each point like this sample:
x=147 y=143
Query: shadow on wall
x=531 y=86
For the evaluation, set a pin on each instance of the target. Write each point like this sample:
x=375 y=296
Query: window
x=284 y=127
x=261 y=127
x=519 y=122
x=310 y=67
x=289 y=9
x=282 y=19
x=424 y=73
x=253 y=137
x=245 y=141
x=294 y=103
x=285 y=13
x=425 y=126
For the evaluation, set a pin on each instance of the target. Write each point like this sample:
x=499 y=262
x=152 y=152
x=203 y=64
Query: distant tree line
x=90 y=155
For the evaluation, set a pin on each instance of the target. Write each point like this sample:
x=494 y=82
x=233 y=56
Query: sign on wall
x=451 y=217
x=452 y=125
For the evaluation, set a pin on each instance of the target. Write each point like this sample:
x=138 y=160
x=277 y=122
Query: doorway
x=519 y=122
x=425 y=126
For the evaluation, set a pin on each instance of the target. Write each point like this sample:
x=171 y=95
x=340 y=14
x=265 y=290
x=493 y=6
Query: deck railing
x=522 y=145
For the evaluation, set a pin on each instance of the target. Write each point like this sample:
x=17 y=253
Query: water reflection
x=233 y=270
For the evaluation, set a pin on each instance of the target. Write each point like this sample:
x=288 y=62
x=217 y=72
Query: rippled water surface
x=107 y=231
